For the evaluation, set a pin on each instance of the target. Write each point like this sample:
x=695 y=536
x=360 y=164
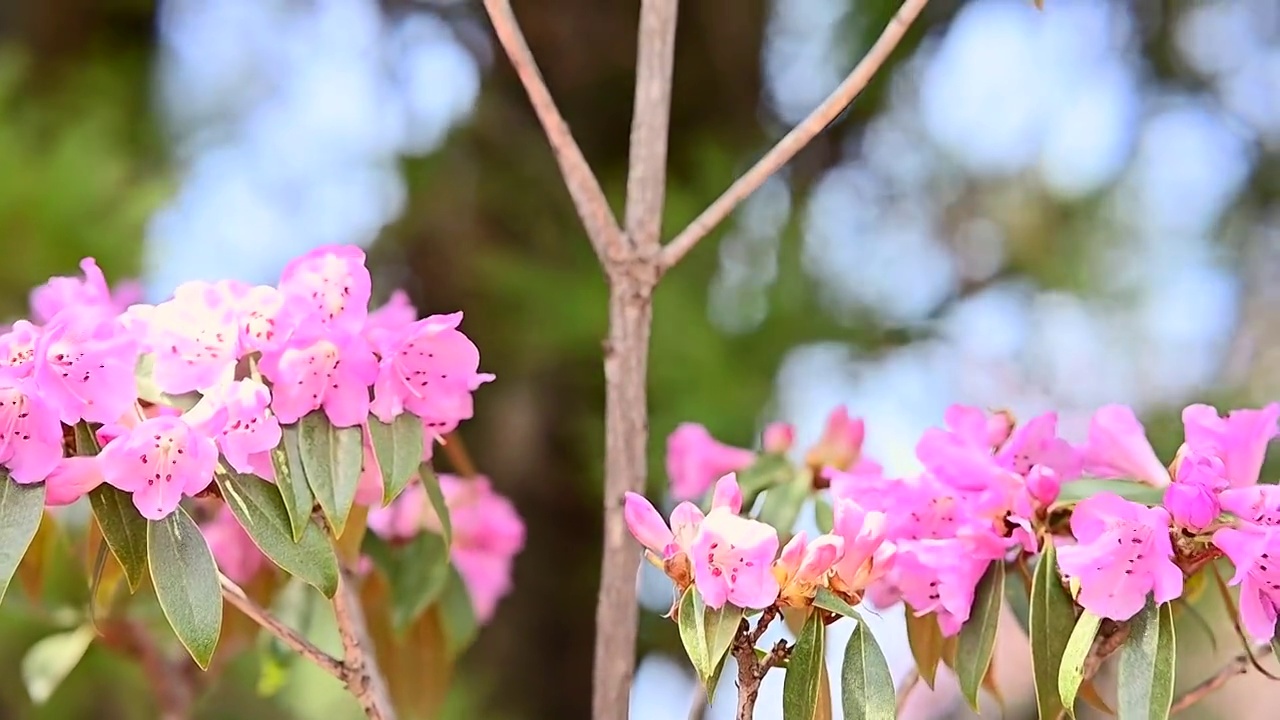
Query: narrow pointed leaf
x=261 y=511
x=1072 y=671
x=977 y=639
x=186 y=583
x=926 y=641
x=331 y=457
x=21 y=507
x=1146 y=665
x=706 y=633
x=1051 y=618
x=867 y=688
x=782 y=503
x=804 y=671
x=398 y=448
x=52 y=659
x=291 y=480
x=828 y=600
x=1077 y=490
x=824 y=515
x=432 y=484
x=124 y=529
x=1017 y=597
x=458 y=622
x=416 y=570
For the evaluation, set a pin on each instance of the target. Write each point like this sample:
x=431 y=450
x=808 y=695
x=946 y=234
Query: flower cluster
x=990 y=490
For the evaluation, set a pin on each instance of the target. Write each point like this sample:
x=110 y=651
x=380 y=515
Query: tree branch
x=584 y=188
x=233 y=594
x=363 y=677
x=795 y=140
x=650 y=124
x=1239 y=665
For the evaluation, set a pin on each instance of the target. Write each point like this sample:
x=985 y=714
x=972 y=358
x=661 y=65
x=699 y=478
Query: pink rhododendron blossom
x=384 y=324
x=430 y=369
x=732 y=561
x=264 y=317
x=237 y=416
x=30 y=433
x=941 y=577
x=1254 y=504
x=1254 y=553
x=404 y=518
x=235 y=552
x=695 y=460
x=85 y=368
x=646 y=524
x=1192 y=499
x=841 y=443
x=369 y=488
x=84 y=295
x=1043 y=485
x=1239 y=440
x=803 y=566
x=334 y=284
x=975 y=427
x=158 y=462
x=779 y=437
x=487 y=535
x=1122 y=553
x=727 y=494
x=864 y=558
x=1037 y=443
x=331 y=374
x=18 y=349
x=71 y=480
x=193 y=338
x=1118 y=448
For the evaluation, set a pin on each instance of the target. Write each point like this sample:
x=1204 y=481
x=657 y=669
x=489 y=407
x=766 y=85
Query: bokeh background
x=1032 y=210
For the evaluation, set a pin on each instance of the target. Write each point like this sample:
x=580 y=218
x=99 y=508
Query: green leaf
x=978 y=636
x=286 y=461
x=867 y=688
x=416 y=571
x=1146 y=665
x=828 y=600
x=124 y=529
x=21 y=507
x=86 y=440
x=804 y=671
x=457 y=615
x=1071 y=673
x=261 y=512
x=1017 y=597
x=706 y=633
x=432 y=484
x=768 y=470
x=186 y=583
x=926 y=642
x=782 y=503
x=398 y=449
x=1051 y=619
x=331 y=457
x=1077 y=490
x=824 y=515
x=52 y=659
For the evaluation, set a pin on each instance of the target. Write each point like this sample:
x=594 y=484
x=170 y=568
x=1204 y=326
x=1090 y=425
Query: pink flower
x=695 y=460
x=331 y=373
x=1043 y=485
x=1252 y=552
x=71 y=480
x=803 y=566
x=1255 y=504
x=841 y=442
x=487 y=535
x=18 y=349
x=1118 y=448
x=334 y=284
x=236 y=416
x=865 y=557
x=728 y=494
x=159 y=461
x=386 y=322
x=977 y=428
x=265 y=318
x=85 y=368
x=1122 y=553
x=1192 y=499
x=235 y=552
x=30 y=433
x=193 y=338
x=646 y=524
x=429 y=369
x=1240 y=439
x=404 y=518
x=1037 y=443
x=940 y=577
x=648 y=527
x=91 y=293
x=732 y=560
x=779 y=437
x=369 y=488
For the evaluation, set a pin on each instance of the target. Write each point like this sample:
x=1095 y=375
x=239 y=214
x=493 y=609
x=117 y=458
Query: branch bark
x=1239 y=665
x=588 y=197
x=233 y=594
x=794 y=141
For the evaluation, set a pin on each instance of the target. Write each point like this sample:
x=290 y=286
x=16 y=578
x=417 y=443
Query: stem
x=798 y=138
x=233 y=594
x=1239 y=665
x=650 y=124
x=363 y=677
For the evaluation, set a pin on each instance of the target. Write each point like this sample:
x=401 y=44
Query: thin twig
x=237 y=597
x=904 y=694
x=794 y=141
x=363 y=677
x=588 y=197
x=698 y=703
x=650 y=124
x=1239 y=665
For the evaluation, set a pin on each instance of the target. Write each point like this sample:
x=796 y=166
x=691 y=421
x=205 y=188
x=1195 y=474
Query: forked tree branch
x=650 y=124
x=794 y=141
x=588 y=198
x=233 y=594
x=1238 y=665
